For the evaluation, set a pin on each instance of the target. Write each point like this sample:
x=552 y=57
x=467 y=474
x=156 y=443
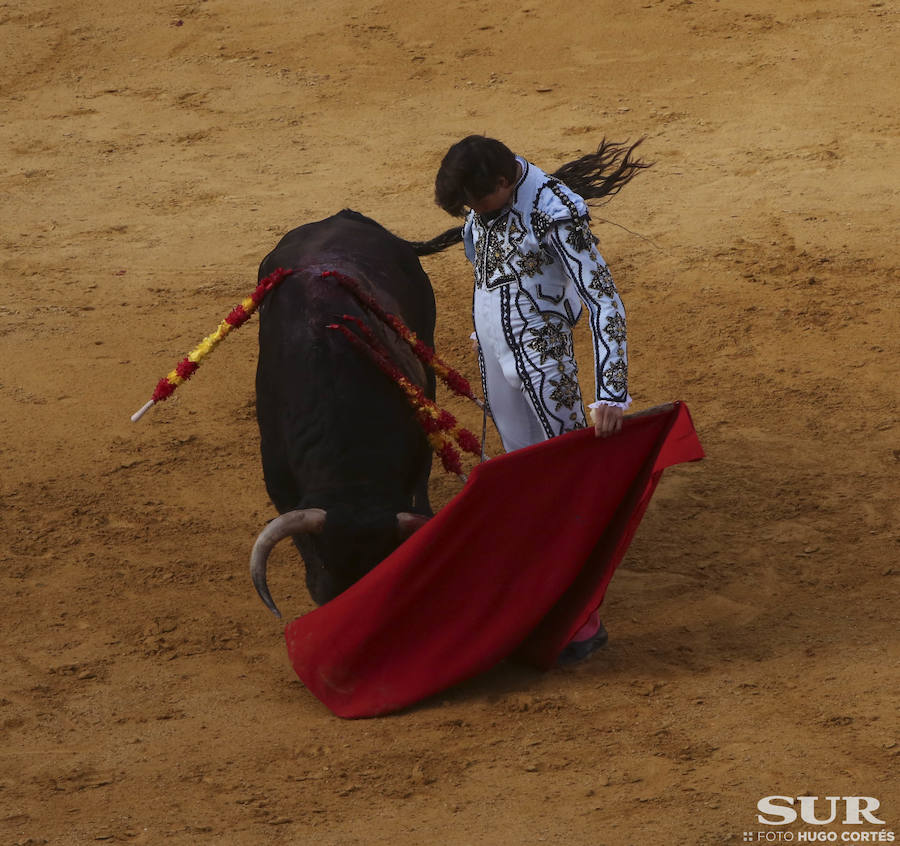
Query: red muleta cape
x=512 y=566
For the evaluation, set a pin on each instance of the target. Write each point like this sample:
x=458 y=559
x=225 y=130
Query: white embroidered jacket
x=542 y=243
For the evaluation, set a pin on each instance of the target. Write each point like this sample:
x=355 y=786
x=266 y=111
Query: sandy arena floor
x=154 y=152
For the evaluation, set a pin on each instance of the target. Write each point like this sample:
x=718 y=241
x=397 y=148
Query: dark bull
x=344 y=461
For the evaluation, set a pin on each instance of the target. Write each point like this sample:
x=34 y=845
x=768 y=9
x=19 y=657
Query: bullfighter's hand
x=607 y=420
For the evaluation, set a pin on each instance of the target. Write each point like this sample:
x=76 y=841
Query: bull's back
x=327 y=417
x=361 y=248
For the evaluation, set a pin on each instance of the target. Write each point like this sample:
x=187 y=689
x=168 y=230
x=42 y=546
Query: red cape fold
x=512 y=566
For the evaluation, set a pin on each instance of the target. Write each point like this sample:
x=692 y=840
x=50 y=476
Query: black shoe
x=578 y=650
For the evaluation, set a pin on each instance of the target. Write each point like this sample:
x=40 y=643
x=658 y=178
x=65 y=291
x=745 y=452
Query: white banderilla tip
x=144 y=409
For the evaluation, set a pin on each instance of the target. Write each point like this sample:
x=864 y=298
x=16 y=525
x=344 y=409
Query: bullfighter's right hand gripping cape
x=511 y=567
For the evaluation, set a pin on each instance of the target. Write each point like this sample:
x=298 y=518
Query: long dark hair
x=472 y=169
x=603 y=174
x=595 y=176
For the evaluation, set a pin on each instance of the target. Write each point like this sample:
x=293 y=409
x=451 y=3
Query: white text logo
x=779 y=810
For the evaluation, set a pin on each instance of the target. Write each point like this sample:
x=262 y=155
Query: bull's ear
x=408 y=524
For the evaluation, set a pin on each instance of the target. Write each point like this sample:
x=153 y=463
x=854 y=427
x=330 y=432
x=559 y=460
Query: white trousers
x=528 y=369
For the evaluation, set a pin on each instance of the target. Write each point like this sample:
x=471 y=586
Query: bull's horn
x=408 y=523
x=305 y=521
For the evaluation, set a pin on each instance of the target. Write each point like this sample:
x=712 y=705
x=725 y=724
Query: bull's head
x=313 y=521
